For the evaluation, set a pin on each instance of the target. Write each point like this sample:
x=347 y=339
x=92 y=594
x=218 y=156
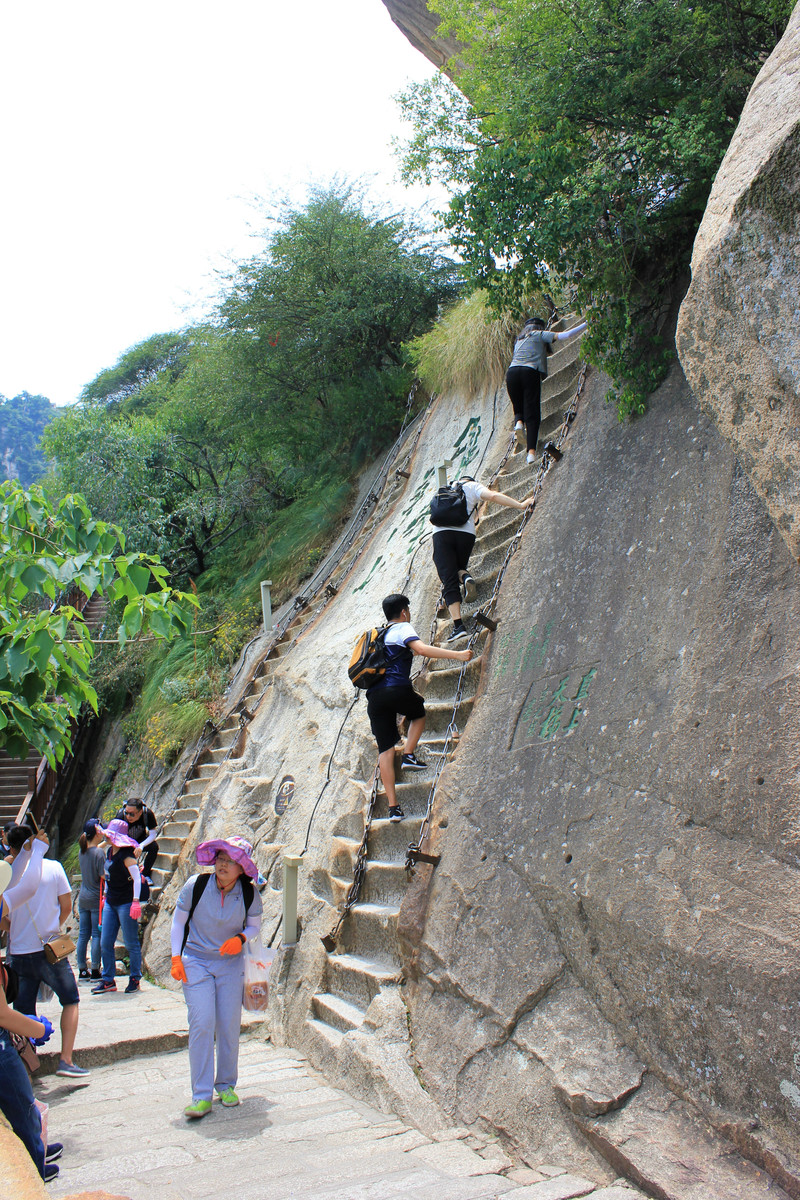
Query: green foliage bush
x=582 y=146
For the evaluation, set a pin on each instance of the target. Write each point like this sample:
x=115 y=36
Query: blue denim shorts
x=34 y=969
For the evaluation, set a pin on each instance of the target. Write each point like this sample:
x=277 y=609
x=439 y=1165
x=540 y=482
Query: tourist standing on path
x=214 y=917
x=525 y=374
x=121 y=909
x=92 y=862
x=394 y=696
x=142 y=826
x=452 y=546
x=32 y=925
x=17 y=1101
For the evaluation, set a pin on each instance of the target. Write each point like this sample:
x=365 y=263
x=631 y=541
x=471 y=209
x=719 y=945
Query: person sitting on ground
x=121 y=909
x=92 y=864
x=142 y=826
x=214 y=917
x=33 y=924
x=452 y=546
x=394 y=696
x=525 y=374
x=17 y=1102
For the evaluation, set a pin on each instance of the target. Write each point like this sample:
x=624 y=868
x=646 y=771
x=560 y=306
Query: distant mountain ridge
x=22 y=422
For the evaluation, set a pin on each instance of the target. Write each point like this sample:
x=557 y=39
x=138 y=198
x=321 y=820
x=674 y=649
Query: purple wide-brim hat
x=239 y=850
x=116 y=832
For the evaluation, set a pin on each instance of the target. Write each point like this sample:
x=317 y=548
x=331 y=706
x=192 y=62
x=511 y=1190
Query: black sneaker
x=396 y=813
x=470 y=587
x=50 y=1172
x=84 y=974
x=103 y=987
x=97 y=973
x=54 y=1150
x=458 y=632
x=133 y=984
x=410 y=762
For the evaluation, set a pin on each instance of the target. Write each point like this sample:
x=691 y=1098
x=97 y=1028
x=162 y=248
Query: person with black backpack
x=215 y=916
x=452 y=512
x=393 y=695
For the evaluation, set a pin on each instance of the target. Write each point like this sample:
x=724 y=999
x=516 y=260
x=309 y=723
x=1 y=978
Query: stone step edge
x=157 y=1043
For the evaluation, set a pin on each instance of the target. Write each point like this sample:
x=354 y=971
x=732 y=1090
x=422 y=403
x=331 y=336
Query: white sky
x=134 y=138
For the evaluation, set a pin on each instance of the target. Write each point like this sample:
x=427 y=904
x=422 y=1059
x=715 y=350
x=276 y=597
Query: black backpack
x=200 y=885
x=368 y=660
x=449 y=506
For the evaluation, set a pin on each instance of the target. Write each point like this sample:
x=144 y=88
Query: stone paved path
x=124 y=1131
x=292 y=1136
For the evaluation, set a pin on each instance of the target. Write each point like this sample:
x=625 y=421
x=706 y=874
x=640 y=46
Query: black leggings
x=524 y=385
x=451 y=551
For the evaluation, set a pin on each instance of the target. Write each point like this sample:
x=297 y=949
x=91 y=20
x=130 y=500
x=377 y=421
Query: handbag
x=27 y=1052
x=58 y=947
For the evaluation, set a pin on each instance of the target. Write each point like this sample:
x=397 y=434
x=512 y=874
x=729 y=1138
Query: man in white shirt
x=32 y=924
x=394 y=696
x=452 y=546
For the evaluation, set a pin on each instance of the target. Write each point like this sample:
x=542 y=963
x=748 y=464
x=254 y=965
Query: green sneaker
x=229 y=1098
x=200 y=1108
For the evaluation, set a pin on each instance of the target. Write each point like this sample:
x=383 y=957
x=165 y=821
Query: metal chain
x=415 y=848
x=359 y=870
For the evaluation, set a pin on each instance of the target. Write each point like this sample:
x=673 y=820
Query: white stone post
x=441 y=472
x=291 y=862
x=266 y=604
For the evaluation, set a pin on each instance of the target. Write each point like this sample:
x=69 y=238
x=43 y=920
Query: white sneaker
x=519 y=433
x=531 y=459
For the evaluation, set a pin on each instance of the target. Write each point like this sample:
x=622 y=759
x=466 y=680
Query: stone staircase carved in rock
x=220 y=752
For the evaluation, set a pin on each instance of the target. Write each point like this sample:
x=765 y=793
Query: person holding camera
x=17 y=886
x=32 y=925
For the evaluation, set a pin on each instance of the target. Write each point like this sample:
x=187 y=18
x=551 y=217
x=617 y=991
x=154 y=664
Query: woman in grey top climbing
x=214 y=917
x=525 y=374
x=92 y=863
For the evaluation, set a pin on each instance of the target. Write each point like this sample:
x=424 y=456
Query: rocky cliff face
x=737 y=335
x=421 y=27
x=614 y=920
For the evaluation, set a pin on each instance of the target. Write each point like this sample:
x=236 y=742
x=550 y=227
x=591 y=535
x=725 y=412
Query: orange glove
x=178 y=971
x=232 y=946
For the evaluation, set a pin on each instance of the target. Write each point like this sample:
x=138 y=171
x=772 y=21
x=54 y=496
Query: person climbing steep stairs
x=363 y=955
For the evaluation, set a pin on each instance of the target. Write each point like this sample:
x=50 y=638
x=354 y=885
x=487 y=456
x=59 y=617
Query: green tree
x=46 y=650
x=319 y=321
x=23 y=418
x=586 y=153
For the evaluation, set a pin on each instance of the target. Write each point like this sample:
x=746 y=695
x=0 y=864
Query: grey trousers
x=213 y=993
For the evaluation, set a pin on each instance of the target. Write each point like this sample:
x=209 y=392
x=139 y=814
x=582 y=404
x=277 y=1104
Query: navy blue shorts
x=34 y=969
x=384 y=704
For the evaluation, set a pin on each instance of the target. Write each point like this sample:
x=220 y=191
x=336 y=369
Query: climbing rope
x=327 y=773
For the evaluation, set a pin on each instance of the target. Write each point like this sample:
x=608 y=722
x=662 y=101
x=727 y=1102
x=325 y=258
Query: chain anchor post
x=266 y=604
x=441 y=472
x=291 y=862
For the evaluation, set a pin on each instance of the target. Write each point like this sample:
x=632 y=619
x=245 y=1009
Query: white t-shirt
x=475 y=492
x=44 y=909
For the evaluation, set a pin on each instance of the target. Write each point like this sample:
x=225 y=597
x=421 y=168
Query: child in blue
x=207 y=941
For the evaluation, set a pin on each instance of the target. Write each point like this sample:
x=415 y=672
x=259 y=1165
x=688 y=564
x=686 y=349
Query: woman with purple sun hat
x=214 y=917
x=121 y=909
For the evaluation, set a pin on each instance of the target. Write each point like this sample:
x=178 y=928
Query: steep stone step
x=440 y=714
x=195 y=787
x=389 y=840
x=330 y=1037
x=335 y=1011
x=441 y=684
x=206 y=770
x=371 y=931
x=384 y=882
x=359 y=979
